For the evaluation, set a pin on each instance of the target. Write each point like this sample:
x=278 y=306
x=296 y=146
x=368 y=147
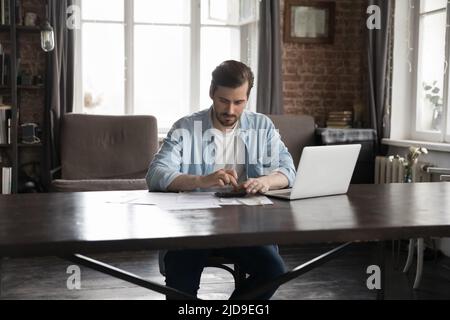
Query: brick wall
x=32 y=61
x=318 y=78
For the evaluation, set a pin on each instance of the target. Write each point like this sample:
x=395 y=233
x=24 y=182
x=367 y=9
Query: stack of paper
x=178 y=201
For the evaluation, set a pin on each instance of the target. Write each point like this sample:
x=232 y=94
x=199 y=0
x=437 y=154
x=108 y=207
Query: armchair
x=101 y=152
x=297 y=132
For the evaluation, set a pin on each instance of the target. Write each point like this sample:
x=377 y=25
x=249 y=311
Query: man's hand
x=219 y=178
x=255 y=185
x=274 y=181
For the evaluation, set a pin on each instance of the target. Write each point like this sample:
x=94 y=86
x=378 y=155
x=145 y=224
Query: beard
x=226 y=119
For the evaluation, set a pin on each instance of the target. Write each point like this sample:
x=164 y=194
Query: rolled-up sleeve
x=285 y=162
x=166 y=166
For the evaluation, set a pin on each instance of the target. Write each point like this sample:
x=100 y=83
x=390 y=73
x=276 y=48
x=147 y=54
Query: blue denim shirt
x=188 y=149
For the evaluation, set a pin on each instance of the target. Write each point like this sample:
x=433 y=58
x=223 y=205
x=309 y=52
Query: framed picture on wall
x=309 y=22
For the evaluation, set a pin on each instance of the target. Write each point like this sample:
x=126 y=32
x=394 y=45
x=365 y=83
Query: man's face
x=229 y=104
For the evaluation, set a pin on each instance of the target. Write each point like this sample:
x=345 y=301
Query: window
x=156 y=57
x=429 y=121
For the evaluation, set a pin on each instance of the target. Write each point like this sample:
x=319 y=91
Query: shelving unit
x=28 y=29
x=11 y=38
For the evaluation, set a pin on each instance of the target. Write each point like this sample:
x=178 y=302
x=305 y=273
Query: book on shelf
x=341 y=112
x=6 y=58
x=2 y=62
x=339 y=123
x=4 y=66
x=6 y=180
x=4 y=12
x=340 y=118
x=339 y=126
x=19 y=13
x=9 y=129
x=5 y=124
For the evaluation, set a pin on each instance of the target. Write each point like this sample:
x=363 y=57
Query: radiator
x=392 y=171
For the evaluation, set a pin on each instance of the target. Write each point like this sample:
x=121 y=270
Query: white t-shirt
x=230 y=152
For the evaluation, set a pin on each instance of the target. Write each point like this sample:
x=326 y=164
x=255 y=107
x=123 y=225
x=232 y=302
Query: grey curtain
x=60 y=81
x=270 y=86
x=379 y=59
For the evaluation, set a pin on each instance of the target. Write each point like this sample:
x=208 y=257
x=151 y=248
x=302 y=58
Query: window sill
x=433 y=146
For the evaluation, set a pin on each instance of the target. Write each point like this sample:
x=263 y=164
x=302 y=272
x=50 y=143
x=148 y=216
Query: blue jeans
x=184 y=267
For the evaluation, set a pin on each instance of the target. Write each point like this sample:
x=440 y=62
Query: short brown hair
x=231 y=74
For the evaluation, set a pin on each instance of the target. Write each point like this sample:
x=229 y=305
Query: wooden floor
x=342 y=278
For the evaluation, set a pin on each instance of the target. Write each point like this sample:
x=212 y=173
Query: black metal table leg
x=296 y=272
x=127 y=276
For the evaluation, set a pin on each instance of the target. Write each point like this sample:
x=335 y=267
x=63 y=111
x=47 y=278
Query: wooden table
x=70 y=224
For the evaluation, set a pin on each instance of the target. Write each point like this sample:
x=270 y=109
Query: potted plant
x=411 y=159
x=432 y=94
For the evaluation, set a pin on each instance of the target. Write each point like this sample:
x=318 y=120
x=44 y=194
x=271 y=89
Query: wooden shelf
x=32 y=87
x=28 y=29
x=22 y=87
x=20 y=29
x=17 y=38
x=22 y=145
x=34 y=145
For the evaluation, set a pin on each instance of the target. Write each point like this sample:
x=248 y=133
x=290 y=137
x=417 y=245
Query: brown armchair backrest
x=297 y=132
x=107 y=147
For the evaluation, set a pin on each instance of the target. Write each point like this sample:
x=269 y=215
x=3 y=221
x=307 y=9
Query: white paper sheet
x=195 y=200
x=255 y=201
x=187 y=206
x=124 y=198
x=229 y=202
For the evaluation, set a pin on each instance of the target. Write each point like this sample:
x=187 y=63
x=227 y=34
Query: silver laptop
x=323 y=171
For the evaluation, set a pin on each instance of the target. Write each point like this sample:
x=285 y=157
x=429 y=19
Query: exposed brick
x=320 y=78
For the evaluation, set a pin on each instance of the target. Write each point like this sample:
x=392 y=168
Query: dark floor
x=342 y=278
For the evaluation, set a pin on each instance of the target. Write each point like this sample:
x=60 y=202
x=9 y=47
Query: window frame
x=195 y=26
x=446 y=112
x=416 y=134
